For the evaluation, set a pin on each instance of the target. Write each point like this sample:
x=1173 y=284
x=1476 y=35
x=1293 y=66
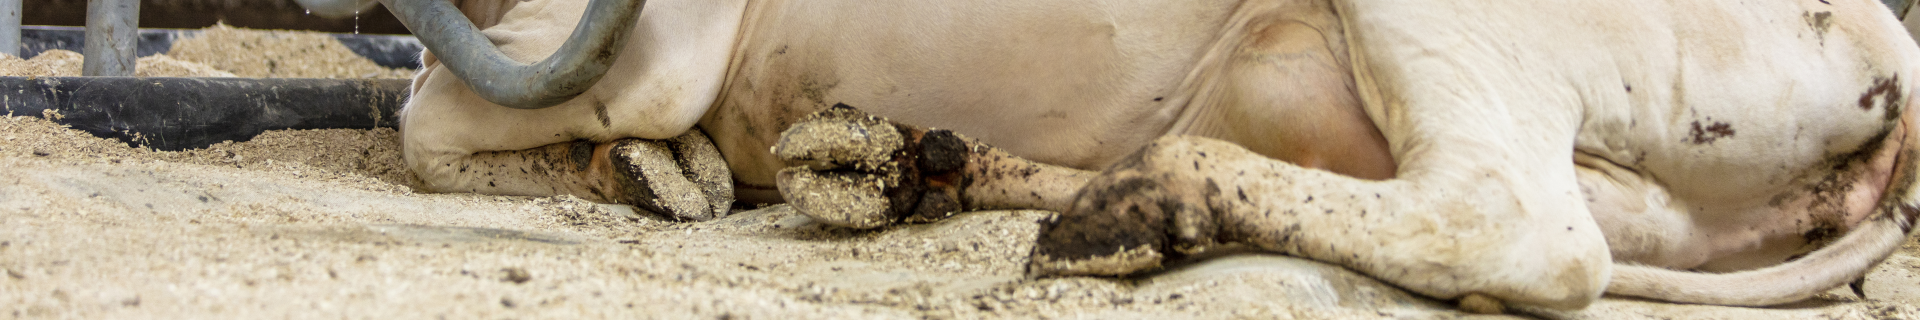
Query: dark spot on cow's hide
x=600 y=112
x=1887 y=92
x=1860 y=154
x=581 y=152
x=1819 y=21
x=1707 y=134
x=1822 y=232
x=815 y=87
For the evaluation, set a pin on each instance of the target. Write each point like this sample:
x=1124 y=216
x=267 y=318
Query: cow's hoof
x=854 y=170
x=841 y=138
x=843 y=167
x=1115 y=228
x=1069 y=249
x=840 y=198
x=683 y=177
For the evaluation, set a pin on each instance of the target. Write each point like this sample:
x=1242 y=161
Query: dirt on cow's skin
x=329 y=224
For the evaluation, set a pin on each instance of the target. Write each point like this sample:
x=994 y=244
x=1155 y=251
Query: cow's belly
x=1076 y=85
x=1735 y=155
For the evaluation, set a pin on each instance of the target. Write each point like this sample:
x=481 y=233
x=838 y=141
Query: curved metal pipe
x=579 y=63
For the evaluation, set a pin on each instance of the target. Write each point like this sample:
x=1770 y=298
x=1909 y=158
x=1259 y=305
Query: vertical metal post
x=113 y=28
x=10 y=27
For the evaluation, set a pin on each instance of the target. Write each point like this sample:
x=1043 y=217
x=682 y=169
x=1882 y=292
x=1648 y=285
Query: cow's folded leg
x=683 y=177
x=860 y=171
x=1445 y=236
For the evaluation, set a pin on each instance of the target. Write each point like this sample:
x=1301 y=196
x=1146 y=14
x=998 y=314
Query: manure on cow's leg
x=1144 y=209
x=1112 y=237
x=1119 y=225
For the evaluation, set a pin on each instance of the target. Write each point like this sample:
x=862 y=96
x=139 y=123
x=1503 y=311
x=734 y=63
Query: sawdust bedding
x=225 y=51
x=327 y=224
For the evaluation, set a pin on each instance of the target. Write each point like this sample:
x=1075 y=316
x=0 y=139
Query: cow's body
x=1527 y=147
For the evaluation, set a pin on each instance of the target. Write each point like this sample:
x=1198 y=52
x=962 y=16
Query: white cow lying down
x=1528 y=152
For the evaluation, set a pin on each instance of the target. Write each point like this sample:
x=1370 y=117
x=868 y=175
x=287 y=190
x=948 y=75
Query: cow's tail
x=1837 y=264
x=1841 y=262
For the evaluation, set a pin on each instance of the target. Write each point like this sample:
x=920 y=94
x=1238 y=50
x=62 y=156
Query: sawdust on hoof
x=892 y=173
x=843 y=163
x=842 y=199
x=840 y=137
x=683 y=177
x=1122 y=262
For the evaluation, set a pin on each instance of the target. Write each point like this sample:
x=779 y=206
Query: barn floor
x=325 y=224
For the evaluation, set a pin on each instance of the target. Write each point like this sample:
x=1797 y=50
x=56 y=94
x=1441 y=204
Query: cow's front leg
x=1449 y=236
x=683 y=177
x=855 y=170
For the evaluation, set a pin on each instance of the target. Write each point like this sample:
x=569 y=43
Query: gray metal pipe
x=10 y=27
x=113 y=28
x=595 y=43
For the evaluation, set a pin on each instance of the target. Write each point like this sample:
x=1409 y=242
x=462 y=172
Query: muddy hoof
x=1090 y=245
x=683 y=177
x=1120 y=224
x=855 y=170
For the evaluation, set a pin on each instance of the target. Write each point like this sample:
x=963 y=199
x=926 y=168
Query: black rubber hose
x=186 y=113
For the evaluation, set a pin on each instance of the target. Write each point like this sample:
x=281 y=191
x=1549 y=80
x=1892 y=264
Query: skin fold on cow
x=1536 y=153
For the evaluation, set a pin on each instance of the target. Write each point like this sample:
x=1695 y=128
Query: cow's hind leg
x=856 y=170
x=1183 y=195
